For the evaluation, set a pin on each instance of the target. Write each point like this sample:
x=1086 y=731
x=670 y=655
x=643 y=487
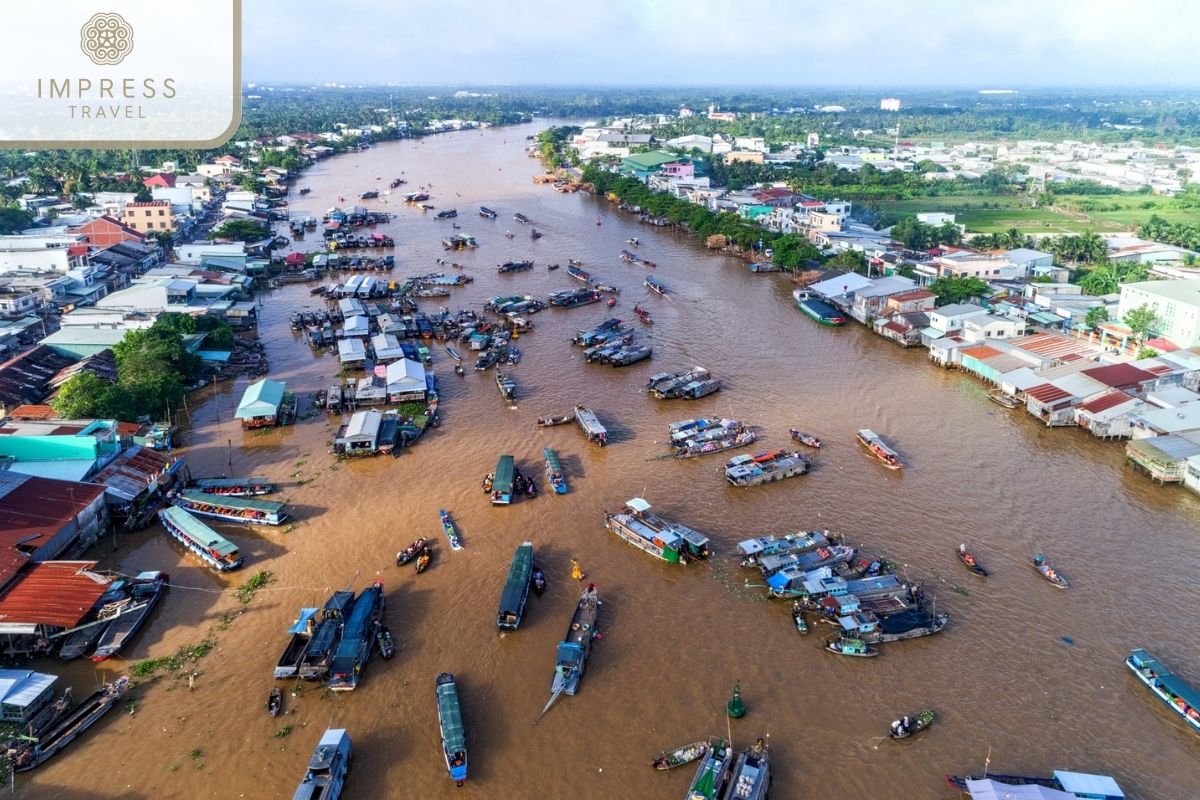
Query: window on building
x=160 y=212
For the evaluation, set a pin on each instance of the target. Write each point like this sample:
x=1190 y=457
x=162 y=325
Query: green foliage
x=916 y=235
x=848 y=261
x=143 y=195
x=188 y=654
x=1107 y=278
x=245 y=592
x=13 y=219
x=240 y=230
x=793 y=250
x=1083 y=248
x=958 y=289
x=1096 y=316
x=82 y=395
x=1146 y=352
x=1142 y=321
x=906 y=270
x=1180 y=234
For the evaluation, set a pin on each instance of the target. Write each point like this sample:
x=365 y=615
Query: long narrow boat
x=713 y=774
x=506 y=385
x=516 y=589
x=454 y=737
x=1168 y=687
x=502 y=481
x=213 y=549
x=64 y=731
x=707 y=445
x=849 y=646
x=114 y=602
x=358 y=639
x=144 y=593
x=233 y=509
x=819 y=310
x=326 y=773
x=806 y=439
x=579 y=273
x=750 y=775
x=314 y=664
x=878 y=448
x=554 y=471
x=670 y=759
x=301 y=633
x=668 y=541
x=574 y=649
x=970 y=562
x=655 y=285
x=1053 y=576
x=449 y=529
x=486 y=212
x=235 y=487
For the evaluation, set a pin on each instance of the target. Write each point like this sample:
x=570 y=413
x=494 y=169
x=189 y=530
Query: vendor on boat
x=902 y=726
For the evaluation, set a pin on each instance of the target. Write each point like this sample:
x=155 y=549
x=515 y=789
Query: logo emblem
x=106 y=39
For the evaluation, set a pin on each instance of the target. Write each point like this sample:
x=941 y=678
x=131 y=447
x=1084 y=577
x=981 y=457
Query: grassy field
x=1071 y=214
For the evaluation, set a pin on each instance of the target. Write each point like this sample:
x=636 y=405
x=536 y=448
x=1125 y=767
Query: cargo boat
x=233 y=509
x=819 y=310
x=301 y=633
x=213 y=549
x=874 y=443
x=326 y=773
x=28 y=755
x=590 y=423
x=573 y=651
x=502 y=481
x=454 y=738
x=667 y=541
x=145 y=591
x=516 y=589
x=314 y=664
x=358 y=639
x=235 y=487
x=1168 y=687
x=554 y=471
x=746 y=470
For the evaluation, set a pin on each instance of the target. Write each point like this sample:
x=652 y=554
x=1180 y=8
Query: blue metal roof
x=1084 y=785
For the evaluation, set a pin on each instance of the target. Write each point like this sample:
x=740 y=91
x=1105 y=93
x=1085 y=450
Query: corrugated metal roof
x=1119 y=375
x=1110 y=399
x=980 y=351
x=42 y=505
x=54 y=593
x=1049 y=345
x=131 y=472
x=1047 y=394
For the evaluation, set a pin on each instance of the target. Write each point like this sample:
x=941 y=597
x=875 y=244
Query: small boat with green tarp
x=502 y=481
x=713 y=773
x=516 y=589
x=454 y=737
x=213 y=549
x=245 y=510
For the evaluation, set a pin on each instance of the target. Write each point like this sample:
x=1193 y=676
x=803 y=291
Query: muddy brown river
x=1029 y=674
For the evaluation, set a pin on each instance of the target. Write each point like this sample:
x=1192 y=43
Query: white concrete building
x=1176 y=302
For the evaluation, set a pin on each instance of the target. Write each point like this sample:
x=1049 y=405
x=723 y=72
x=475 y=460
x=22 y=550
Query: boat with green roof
x=244 y=510
x=454 y=736
x=1178 y=695
x=213 y=549
x=516 y=589
x=235 y=487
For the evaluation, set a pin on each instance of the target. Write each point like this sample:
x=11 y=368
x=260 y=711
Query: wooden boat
x=1177 y=694
x=449 y=213
x=576 y=646
x=650 y=533
x=707 y=445
x=878 y=448
x=970 y=562
x=579 y=273
x=423 y=560
x=713 y=775
x=670 y=759
x=457 y=356
x=552 y=267
x=385 y=642
x=806 y=439
x=546 y=422
x=486 y=212
x=1048 y=572
x=516 y=588
x=642 y=314
x=235 y=487
x=590 y=423
x=449 y=530
x=82 y=640
x=655 y=285
x=274 y=702
x=612 y=302
x=314 y=663
x=848 y=646
x=554 y=471
x=819 y=310
x=506 y=385
x=326 y=773
x=301 y=634
x=358 y=639
x=213 y=549
x=521 y=218
x=750 y=775
x=501 y=487
x=1000 y=398
x=908 y=726
x=64 y=731
x=454 y=738
x=412 y=551
x=514 y=266
x=798 y=617
x=145 y=591
x=776 y=465
x=245 y=510
x=754 y=551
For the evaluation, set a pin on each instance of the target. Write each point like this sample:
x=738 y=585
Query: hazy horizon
x=700 y=43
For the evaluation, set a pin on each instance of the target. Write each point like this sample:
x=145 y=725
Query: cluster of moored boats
x=703 y=436
x=612 y=343
x=506 y=482
x=689 y=384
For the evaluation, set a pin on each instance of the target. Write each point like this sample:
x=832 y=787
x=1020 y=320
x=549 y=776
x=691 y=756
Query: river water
x=1030 y=674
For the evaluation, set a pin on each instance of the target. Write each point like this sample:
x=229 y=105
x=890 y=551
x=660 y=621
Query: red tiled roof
x=54 y=593
x=33 y=412
x=1119 y=375
x=162 y=179
x=146 y=203
x=77 y=250
x=44 y=505
x=980 y=351
x=1162 y=345
x=1110 y=399
x=896 y=327
x=1047 y=394
x=128 y=427
x=1159 y=369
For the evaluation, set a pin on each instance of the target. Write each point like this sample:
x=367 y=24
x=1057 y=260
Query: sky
x=797 y=43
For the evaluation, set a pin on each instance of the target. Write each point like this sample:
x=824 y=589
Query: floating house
x=260 y=404
x=360 y=436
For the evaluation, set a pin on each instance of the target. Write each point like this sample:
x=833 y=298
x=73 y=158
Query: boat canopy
x=1081 y=784
x=517 y=584
x=502 y=482
x=302 y=622
x=451 y=718
x=638 y=504
x=994 y=790
x=1167 y=679
x=232 y=483
x=198 y=532
x=568 y=653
